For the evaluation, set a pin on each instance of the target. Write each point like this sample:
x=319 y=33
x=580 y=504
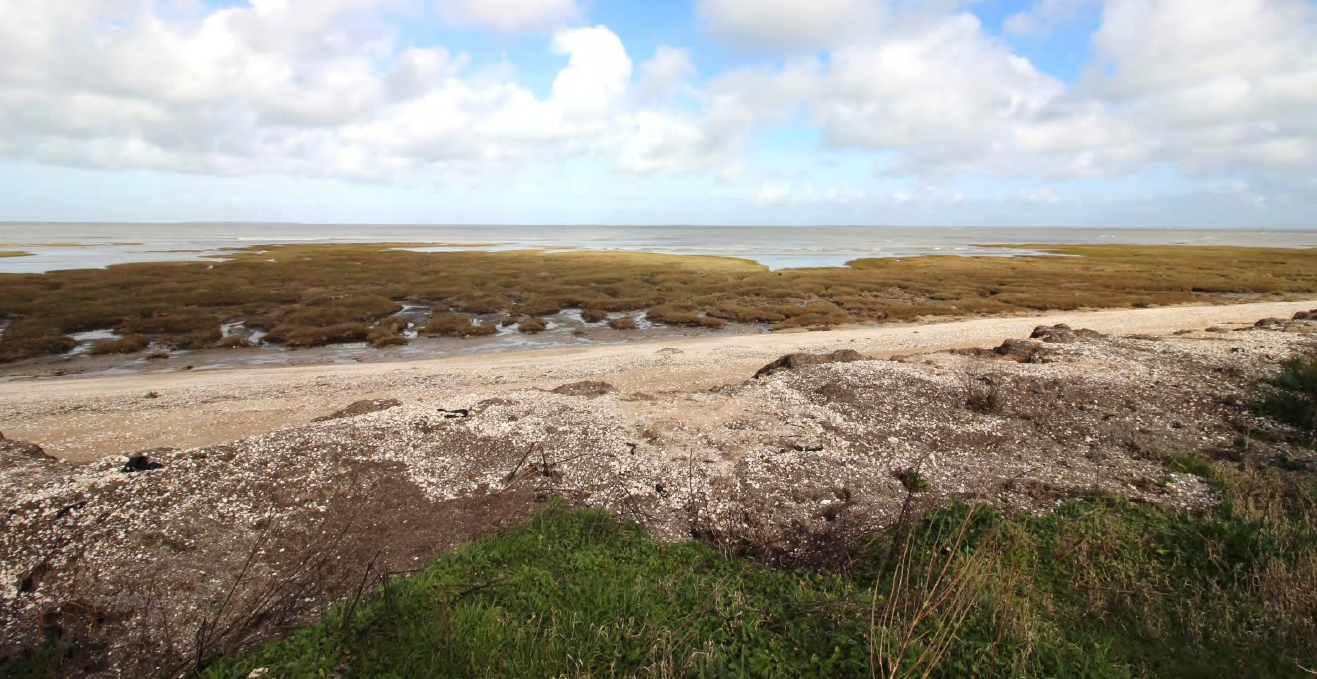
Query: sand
x=83 y=419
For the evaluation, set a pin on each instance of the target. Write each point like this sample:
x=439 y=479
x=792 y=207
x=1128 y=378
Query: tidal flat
x=382 y=296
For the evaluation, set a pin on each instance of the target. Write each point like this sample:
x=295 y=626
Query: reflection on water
x=97 y=245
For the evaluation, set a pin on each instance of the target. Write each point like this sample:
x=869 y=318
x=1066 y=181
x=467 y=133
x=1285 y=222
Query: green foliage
x=1294 y=401
x=1100 y=588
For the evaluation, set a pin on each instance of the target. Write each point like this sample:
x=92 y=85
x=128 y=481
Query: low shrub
x=624 y=323
x=672 y=314
x=1294 y=400
x=459 y=325
x=533 y=326
x=124 y=345
x=235 y=342
x=299 y=337
x=19 y=349
x=594 y=315
x=197 y=339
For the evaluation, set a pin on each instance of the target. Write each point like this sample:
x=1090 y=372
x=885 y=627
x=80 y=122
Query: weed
x=594 y=315
x=1294 y=400
x=913 y=481
x=124 y=345
x=458 y=326
x=532 y=326
x=19 y=349
x=624 y=323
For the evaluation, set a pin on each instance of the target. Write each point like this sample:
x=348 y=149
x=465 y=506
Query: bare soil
x=228 y=543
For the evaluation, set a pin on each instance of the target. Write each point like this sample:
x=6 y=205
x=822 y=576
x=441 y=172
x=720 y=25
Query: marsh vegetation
x=312 y=295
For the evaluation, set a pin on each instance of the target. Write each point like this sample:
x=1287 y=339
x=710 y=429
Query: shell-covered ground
x=223 y=545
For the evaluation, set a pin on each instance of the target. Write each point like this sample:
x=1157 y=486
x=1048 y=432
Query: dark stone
x=139 y=463
x=361 y=408
x=1271 y=323
x=1063 y=334
x=1306 y=315
x=456 y=414
x=794 y=361
x=587 y=389
x=1020 y=351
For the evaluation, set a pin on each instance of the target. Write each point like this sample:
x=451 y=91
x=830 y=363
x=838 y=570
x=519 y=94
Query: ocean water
x=75 y=246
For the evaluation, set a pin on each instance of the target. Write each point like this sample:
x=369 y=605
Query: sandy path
x=86 y=418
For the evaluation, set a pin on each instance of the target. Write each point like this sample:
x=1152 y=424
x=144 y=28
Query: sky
x=1111 y=113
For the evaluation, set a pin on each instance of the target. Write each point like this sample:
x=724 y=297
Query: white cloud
x=1039 y=20
x=946 y=98
x=791 y=25
x=510 y=15
x=664 y=74
x=1228 y=86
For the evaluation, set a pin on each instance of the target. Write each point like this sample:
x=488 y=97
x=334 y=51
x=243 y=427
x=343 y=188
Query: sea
x=79 y=246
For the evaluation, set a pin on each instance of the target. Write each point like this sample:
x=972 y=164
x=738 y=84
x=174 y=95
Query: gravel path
x=83 y=419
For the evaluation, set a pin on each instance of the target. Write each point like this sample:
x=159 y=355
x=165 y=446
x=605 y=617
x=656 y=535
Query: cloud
x=510 y=15
x=945 y=98
x=664 y=74
x=790 y=25
x=309 y=87
x=1039 y=20
x=1229 y=86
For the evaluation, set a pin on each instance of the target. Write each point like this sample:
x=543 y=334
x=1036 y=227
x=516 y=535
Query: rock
x=456 y=414
x=139 y=463
x=1063 y=334
x=1021 y=351
x=1306 y=315
x=588 y=389
x=793 y=361
x=361 y=408
x=1271 y=324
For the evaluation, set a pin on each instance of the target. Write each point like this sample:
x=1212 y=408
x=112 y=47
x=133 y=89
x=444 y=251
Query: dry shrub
x=816 y=314
x=235 y=342
x=673 y=314
x=184 y=322
x=17 y=350
x=483 y=303
x=533 y=326
x=594 y=315
x=387 y=333
x=302 y=336
x=124 y=345
x=625 y=323
x=197 y=339
x=459 y=325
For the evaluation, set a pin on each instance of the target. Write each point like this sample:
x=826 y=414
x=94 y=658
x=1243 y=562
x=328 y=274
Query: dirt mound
x=588 y=389
x=1063 y=334
x=794 y=361
x=360 y=408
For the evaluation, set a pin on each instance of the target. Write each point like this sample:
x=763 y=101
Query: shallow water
x=74 y=246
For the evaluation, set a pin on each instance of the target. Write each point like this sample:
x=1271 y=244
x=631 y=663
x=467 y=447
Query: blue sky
x=941 y=112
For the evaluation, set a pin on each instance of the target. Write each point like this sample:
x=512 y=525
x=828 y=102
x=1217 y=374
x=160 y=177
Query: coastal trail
x=86 y=418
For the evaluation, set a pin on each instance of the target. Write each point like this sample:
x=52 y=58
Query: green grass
x=1101 y=588
x=1294 y=400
